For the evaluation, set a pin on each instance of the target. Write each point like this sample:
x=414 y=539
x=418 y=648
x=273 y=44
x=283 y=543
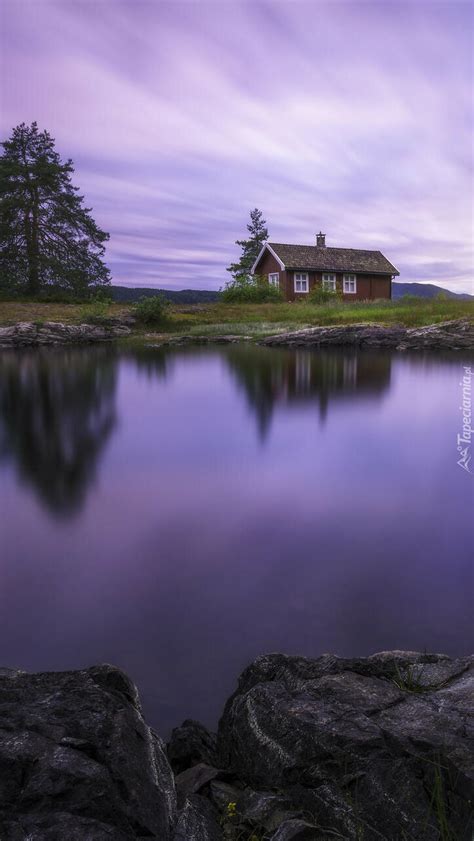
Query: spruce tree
x=48 y=239
x=258 y=234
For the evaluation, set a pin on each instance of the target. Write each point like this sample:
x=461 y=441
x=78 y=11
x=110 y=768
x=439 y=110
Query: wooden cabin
x=296 y=269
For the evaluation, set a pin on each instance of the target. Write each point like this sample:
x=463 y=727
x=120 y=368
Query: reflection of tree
x=272 y=377
x=152 y=361
x=56 y=413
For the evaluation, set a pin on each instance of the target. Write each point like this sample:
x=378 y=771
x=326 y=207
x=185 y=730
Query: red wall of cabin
x=268 y=265
x=369 y=286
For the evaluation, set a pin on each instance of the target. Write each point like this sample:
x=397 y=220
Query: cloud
x=181 y=117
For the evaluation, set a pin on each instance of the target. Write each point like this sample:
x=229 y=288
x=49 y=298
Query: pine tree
x=47 y=237
x=250 y=247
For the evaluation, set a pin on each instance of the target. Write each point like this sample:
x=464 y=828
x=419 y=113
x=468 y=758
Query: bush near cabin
x=252 y=289
x=320 y=295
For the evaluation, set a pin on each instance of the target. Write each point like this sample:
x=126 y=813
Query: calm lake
x=179 y=512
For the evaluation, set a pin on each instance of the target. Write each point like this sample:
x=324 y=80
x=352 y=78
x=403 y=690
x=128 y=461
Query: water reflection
x=349 y=531
x=57 y=412
x=155 y=363
x=272 y=378
x=57 y=406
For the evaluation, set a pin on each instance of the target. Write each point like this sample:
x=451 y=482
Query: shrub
x=320 y=295
x=151 y=310
x=250 y=290
x=101 y=295
x=97 y=308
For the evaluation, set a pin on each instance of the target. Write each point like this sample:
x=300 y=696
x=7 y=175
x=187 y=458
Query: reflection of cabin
x=289 y=378
x=296 y=269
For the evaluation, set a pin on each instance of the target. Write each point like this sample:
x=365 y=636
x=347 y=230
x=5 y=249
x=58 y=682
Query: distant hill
x=129 y=294
x=425 y=290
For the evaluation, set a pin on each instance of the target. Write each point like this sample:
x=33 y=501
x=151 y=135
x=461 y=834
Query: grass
x=411 y=680
x=13 y=311
x=440 y=785
x=264 y=318
x=438 y=804
x=256 y=320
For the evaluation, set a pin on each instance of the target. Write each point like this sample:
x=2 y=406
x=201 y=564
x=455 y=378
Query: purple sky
x=355 y=118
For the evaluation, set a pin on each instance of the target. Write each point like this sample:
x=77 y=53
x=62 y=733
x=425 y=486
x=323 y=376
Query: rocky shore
x=448 y=335
x=374 y=749
x=28 y=333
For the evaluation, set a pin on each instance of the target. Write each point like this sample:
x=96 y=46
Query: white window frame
x=347 y=281
x=274 y=279
x=301 y=278
x=329 y=281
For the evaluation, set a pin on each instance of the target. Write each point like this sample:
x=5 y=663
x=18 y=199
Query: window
x=274 y=279
x=301 y=282
x=329 y=282
x=349 y=283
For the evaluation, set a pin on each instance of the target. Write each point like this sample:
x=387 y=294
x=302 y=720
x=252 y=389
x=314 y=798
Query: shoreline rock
x=179 y=341
x=28 y=333
x=379 y=748
x=449 y=335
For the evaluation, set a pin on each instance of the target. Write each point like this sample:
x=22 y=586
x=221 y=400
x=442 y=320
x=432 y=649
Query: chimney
x=321 y=240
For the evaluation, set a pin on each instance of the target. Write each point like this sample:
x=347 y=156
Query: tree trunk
x=33 y=255
x=31 y=230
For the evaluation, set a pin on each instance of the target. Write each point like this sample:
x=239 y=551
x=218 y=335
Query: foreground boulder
x=450 y=335
x=77 y=761
x=374 y=749
x=377 y=748
x=191 y=744
x=28 y=333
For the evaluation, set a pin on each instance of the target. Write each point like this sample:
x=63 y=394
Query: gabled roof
x=316 y=258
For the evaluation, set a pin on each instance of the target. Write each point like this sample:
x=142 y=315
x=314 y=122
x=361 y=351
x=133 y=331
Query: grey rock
x=296 y=830
x=379 y=748
x=77 y=761
x=266 y=809
x=198 y=821
x=194 y=779
x=27 y=333
x=66 y=826
x=190 y=744
x=201 y=340
x=368 y=335
x=223 y=793
x=450 y=335
x=125 y=320
x=376 y=741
